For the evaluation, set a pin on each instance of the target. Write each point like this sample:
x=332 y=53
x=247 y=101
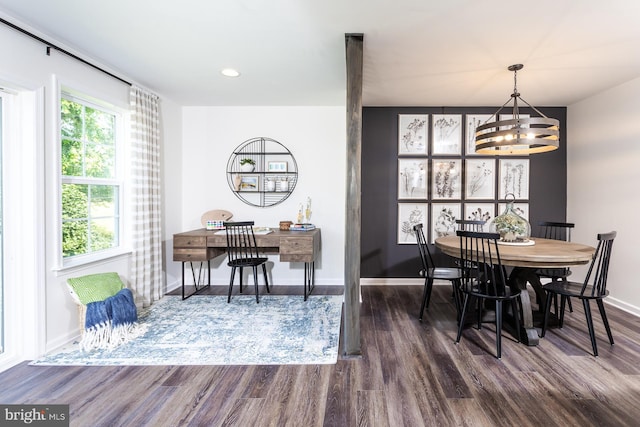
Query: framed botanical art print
x=446 y=179
x=514 y=178
x=472 y=122
x=412 y=134
x=443 y=219
x=480 y=212
x=412 y=178
x=447 y=134
x=410 y=214
x=480 y=179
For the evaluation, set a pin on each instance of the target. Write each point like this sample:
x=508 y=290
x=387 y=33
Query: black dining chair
x=489 y=282
x=555 y=231
x=593 y=288
x=431 y=272
x=242 y=252
x=470 y=224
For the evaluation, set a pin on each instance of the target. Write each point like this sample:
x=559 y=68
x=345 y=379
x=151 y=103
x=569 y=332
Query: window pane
x=102 y=234
x=71 y=126
x=74 y=237
x=100 y=126
x=75 y=201
x=71 y=158
x=100 y=161
x=90 y=212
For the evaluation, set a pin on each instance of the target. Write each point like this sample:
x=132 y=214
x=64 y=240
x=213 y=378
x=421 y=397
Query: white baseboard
x=623 y=306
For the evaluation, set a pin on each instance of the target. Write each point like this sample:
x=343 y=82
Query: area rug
x=206 y=330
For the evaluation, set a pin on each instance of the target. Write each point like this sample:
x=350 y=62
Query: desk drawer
x=189 y=242
x=298 y=249
x=188 y=254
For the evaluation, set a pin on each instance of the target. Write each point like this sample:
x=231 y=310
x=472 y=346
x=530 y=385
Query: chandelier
x=516 y=134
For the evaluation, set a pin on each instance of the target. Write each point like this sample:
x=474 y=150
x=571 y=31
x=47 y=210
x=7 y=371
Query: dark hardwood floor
x=410 y=374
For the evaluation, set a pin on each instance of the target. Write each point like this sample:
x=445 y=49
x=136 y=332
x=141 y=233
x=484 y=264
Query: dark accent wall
x=381 y=256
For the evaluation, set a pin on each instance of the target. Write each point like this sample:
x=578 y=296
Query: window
x=91 y=178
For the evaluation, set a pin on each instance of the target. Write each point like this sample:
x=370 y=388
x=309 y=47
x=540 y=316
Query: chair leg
x=563 y=304
x=233 y=274
x=592 y=334
x=241 y=279
x=499 y=329
x=547 y=310
x=465 y=304
x=255 y=283
x=603 y=314
x=480 y=305
x=266 y=278
x=426 y=295
x=569 y=304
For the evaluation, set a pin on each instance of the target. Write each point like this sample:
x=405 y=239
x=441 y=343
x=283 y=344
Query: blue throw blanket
x=119 y=309
x=111 y=322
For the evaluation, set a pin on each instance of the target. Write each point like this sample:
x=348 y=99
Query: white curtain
x=146 y=264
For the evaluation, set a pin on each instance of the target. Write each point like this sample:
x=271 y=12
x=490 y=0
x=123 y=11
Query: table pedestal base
x=519 y=278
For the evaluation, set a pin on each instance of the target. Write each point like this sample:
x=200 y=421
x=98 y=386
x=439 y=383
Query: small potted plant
x=247 y=165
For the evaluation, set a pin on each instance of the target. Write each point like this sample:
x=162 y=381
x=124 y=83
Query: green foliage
x=89 y=212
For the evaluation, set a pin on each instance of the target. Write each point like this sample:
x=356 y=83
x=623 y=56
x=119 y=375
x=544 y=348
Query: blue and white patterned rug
x=205 y=330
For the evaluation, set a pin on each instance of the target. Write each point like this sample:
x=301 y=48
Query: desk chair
x=489 y=282
x=556 y=231
x=243 y=252
x=431 y=273
x=586 y=292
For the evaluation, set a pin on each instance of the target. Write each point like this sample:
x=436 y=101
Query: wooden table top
x=545 y=253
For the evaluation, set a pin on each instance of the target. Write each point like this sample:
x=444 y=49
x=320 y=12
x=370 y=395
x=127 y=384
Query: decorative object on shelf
x=269 y=184
x=282 y=184
x=307 y=211
x=215 y=225
x=249 y=183
x=277 y=166
x=217 y=216
x=247 y=165
x=271 y=164
x=300 y=216
x=302 y=227
x=512 y=227
x=518 y=135
x=285 y=225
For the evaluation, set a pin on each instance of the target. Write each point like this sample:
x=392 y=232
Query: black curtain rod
x=59 y=49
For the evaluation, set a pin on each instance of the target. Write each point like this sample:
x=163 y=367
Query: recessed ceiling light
x=230 y=72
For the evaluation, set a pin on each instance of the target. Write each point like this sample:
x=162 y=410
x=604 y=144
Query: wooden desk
x=202 y=246
x=525 y=260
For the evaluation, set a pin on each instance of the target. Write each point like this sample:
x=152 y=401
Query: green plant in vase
x=511 y=226
x=247 y=165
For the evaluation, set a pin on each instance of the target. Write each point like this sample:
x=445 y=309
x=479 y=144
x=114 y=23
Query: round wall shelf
x=262 y=172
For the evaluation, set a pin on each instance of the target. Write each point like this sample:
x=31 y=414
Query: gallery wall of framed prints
x=441 y=179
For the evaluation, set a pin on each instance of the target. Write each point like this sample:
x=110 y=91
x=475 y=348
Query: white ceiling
x=292 y=52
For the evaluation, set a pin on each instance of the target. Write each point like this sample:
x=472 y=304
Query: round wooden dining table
x=525 y=260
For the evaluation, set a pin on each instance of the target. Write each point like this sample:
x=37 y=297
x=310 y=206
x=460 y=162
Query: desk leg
x=309 y=278
x=521 y=276
x=199 y=281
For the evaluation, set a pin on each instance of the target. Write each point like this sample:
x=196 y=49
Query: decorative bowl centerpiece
x=512 y=227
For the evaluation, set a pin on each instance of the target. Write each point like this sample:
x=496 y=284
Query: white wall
x=602 y=181
x=316 y=137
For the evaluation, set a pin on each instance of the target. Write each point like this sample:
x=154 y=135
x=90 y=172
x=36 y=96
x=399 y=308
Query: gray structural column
x=351 y=320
